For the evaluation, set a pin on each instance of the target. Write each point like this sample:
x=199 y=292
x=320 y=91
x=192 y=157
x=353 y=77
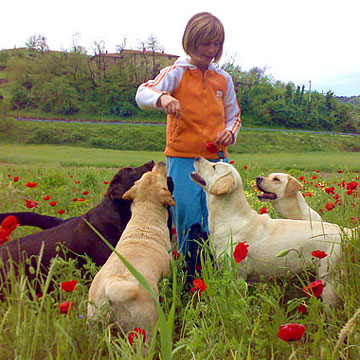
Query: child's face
x=205 y=52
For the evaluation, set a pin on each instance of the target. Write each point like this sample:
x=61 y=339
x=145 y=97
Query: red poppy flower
x=47 y=197
x=31 y=204
x=317 y=171
x=61 y=211
x=336 y=196
x=200 y=285
x=315 y=288
x=77 y=181
x=52 y=203
x=106 y=182
x=263 y=210
x=134 y=334
x=302 y=309
x=16 y=179
x=85 y=192
x=9 y=224
x=301 y=178
x=245 y=167
x=68 y=286
x=329 y=206
x=4 y=236
x=351 y=185
x=198 y=267
x=65 y=307
x=241 y=251
x=82 y=199
x=340 y=171
x=330 y=190
x=319 y=254
x=211 y=147
x=173 y=231
x=314 y=177
x=31 y=184
x=175 y=255
x=291 y=332
x=75 y=199
x=231 y=162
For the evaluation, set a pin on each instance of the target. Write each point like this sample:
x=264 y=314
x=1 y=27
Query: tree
x=37 y=43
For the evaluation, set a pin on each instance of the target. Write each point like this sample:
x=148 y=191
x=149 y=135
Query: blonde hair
x=203 y=27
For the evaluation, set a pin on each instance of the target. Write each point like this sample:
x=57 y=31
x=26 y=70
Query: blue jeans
x=190 y=199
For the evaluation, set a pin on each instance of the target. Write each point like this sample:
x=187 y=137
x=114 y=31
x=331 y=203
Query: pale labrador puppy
x=231 y=220
x=145 y=244
x=283 y=191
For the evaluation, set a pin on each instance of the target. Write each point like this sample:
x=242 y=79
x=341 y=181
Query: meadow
x=229 y=319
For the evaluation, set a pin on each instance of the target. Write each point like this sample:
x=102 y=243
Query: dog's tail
x=120 y=290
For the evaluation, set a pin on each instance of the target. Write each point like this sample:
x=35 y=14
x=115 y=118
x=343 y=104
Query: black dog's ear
x=120 y=183
x=170 y=184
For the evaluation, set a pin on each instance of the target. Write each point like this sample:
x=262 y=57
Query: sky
x=310 y=42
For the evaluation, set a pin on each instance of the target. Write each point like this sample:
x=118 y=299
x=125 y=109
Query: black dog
x=109 y=218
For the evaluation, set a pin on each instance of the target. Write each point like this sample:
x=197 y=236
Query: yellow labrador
x=145 y=244
x=284 y=192
x=231 y=220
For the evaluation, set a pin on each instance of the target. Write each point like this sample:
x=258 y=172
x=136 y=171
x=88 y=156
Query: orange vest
x=202 y=115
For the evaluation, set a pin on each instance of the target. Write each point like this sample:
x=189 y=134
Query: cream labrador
x=145 y=244
x=283 y=191
x=231 y=220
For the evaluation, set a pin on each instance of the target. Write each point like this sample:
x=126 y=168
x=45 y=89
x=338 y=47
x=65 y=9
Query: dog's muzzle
x=266 y=195
x=197 y=178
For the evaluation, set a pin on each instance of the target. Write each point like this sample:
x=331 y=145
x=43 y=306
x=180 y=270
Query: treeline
x=69 y=82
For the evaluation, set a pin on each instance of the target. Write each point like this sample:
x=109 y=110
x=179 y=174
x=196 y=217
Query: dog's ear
x=222 y=185
x=130 y=194
x=167 y=199
x=292 y=187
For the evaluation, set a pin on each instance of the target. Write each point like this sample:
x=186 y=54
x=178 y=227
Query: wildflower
x=315 y=288
x=173 y=231
x=240 y=251
x=77 y=181
x=61 y=211
x=340 y=171
x=200 y=285
x=302 y=309
x=134 y=334
x=351 y=185
x=31 y=184
x=349 y=192
x=317 y=171
x=85 y=192
x=75 y=199
x=52 y=203
x=330 y=190
x=46 y=197
x=314 y=177
x=106 y=182
x=65 y=307
x=31 y=204
x=263 y=210
x=319 y=254
x=291 y=332
x=336 y=196
x=301 y=178
x=82 y=199
x=245 y=167
x=329 y=206
x=231 y=162
x=68 y=286
x=175 y=255
x=211 y=147
x=9 y=224
x=16 y=179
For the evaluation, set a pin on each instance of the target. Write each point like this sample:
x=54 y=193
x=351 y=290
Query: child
x=202 y=115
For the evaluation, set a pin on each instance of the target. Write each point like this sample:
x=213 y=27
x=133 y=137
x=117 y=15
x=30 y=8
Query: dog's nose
x=259 y=179
x=197 y=158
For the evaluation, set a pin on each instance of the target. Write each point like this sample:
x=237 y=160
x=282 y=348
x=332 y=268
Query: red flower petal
x=16 y=179
x=240 y=251
x=291 y=332
x=315 y=288
x=319 y=254
x=263 y=210
x=85 y=192
x=65 y=307
x=52 y=203
x=68 y=286
x=31 y=184
x=135 y=334
x=61 y=211
x=9 y=224
x=175 y=255
x=200 y=285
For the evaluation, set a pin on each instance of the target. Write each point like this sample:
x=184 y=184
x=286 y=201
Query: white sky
x=297 y=41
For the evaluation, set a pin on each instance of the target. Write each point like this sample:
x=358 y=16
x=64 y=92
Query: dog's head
x=277 y=186
x=125 y=178
x=152 y=186
x=217 y=178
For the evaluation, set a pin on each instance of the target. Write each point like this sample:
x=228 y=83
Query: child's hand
x=170 y=105
x=224 y=137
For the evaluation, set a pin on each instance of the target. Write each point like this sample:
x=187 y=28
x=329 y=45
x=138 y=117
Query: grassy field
x=229 y=320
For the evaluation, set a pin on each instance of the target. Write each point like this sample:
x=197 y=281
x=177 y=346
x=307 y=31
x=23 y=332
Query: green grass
x=80 y=156
x=230 y=320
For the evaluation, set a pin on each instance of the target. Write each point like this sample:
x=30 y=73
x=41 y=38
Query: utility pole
x=309 y=90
